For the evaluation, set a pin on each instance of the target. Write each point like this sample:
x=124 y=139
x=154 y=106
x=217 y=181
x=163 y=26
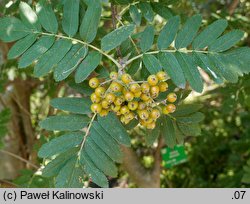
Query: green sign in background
x=172 y=157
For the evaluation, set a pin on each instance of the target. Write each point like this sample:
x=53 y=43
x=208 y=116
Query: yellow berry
x=115 y=87
x=151 y=126
x=124 y=110
x=96 y=108
x=141 y=105
x=170 y=108
x=113 y=75
x=126 y=78
x=129 y=96
x=145 y=97
x=115 y=108
x=143 y=114
x=163 y=86
x=105 y=104
x=100 y=91
x=94 y=82
x=104 y=113
x=118 y=101
x=149 y=120
x=110 y=97
x=145 y=88
x=152 y=80
x=154 y=91
x=162 y=76
x=94 y=98
x=133 y=105
x=137 y=94
x=172 y=97
x=130 y=116
x=135 y=88
x=155 y=113
x=149 y=102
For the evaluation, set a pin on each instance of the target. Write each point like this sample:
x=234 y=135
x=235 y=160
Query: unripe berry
x=138 y=94
x=115 y=108
x=105 y=104
x=94 y=82
x=135 y=88
x=133 y=105
x=172 y=97
x=129 y=96
x=104 y=113
x=130 y=116
x=154 y=91
x=148 y=120
x=115 y=87
x=170 y=108
x=145 y=97
x=126 y=78
x=110 y=97
x=155 y=113
x=162 y=76
x=151 y=126
x=96 y=108
x=152 y=80
x=143 y=114
x=113 y=75
x=163 y=86
x=94 y=98
x=118 y=101
x=124 y=110
x=141 y=105
x=145 y=88
x=100 y=91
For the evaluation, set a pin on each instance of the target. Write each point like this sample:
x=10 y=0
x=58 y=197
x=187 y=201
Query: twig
x=20 y=158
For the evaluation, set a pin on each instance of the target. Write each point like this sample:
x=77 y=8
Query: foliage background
x=216 y=158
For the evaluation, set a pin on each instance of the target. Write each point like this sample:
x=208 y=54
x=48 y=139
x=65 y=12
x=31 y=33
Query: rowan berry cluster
x=131 y=99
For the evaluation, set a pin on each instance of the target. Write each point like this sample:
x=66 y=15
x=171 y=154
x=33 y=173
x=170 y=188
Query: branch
x=233 y=6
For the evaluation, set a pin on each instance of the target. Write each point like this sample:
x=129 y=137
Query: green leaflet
x=134 y=67
x=151 y=63
x=12 y=29
x=94 y=173
x=135 y=14
x=209 y=34
x=186 y=109
x=168 y=33
x=70 y=19
x=106 y=142
x=21 y=46
x=147 y=38
x=99 y=158
x=190 y=71
x=193 y=118
x=190 y=129
x=87 y=66
x=90 y=22
x=173 y=69
x=168 y=131
x=28 y=16
x=70 y=175
x=226 y=41
x=65 y=122
x=152 y=135
x=116 y=37
x=206 y=64
x=188 y=32
x=61 y=144
x=119 y=133
x=147 y=11
x=73 y=105
x=70 y=62
x=46 y=16
x=162 y=10
x=35 y=51
x=52 y=57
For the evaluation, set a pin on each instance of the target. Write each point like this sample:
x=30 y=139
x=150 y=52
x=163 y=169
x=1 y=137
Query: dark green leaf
x=147 y=11
x=52 y=57
x=90 y=22
x=193 y=118
x=70 y=19
x=73 y=105
x=147 y=39
x=87 y=66
x=173 y=69
x=21 y=46
x=151 y=63
x=210 y=34
x=188 y=32
x=70 y=62
x=135 y=14
x=152 y=135
x=162 y=10
x=226 y=41
x=190 y=71
x=12 y=29
x=186 y=109
x=168 y=131
x=190 y=129
x=168 y=33
x=61 y=144
x=46 y=16
x=65 y=122
x=35 y=51
x=116 y=37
